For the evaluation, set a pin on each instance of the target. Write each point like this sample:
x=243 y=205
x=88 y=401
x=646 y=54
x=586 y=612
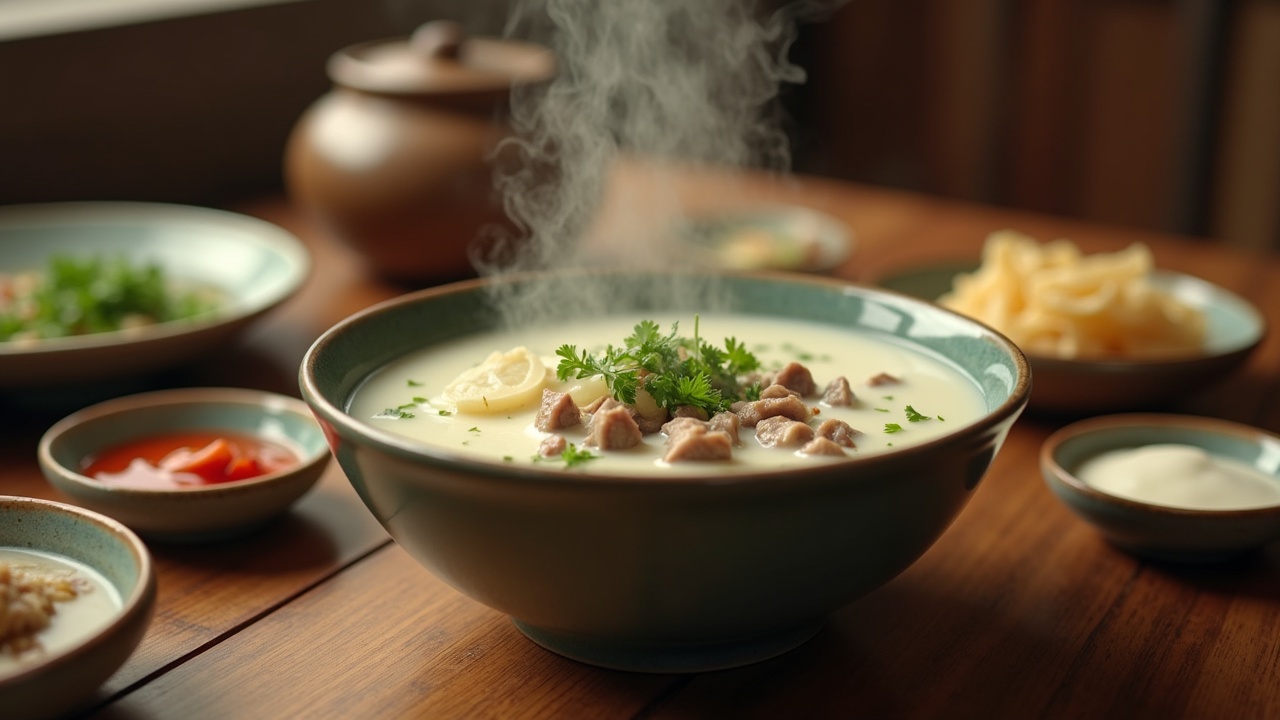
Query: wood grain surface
x=1019 y=611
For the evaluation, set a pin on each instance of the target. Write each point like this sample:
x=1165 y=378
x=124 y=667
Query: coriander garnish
x=892 y=428
x=913 y=416
x=678 y=371
x=571 y=456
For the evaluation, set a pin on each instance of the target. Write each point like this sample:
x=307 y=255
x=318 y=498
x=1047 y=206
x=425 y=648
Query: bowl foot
x=672 y=657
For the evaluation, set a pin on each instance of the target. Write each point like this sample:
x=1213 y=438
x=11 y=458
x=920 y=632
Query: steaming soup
x=901 y=396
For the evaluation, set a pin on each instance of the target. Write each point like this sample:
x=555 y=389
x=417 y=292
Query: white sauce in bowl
x=1180 y=476
x=932 y=386
x=96 y=602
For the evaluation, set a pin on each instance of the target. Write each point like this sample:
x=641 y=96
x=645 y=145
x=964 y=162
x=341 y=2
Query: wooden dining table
x=1020 y=610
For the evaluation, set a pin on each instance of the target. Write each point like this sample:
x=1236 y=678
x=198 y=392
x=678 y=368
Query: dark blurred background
x=1161 y=114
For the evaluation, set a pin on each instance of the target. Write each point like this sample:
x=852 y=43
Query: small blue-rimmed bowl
x=57 y=681
x=1154 y=530
x=198 y=513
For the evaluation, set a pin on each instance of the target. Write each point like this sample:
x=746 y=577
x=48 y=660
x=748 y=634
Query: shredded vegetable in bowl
x=81 y=296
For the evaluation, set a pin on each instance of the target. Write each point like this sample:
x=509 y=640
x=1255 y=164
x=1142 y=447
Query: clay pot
x=397 y=159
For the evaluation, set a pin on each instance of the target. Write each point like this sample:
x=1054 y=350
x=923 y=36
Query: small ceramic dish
x=82 y=645
x=195 y=513
x=248 y=265
x=1160 y=530
x=782 y=237
x=1235 y=329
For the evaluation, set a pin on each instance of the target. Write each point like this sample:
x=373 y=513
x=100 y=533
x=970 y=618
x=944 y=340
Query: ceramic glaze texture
x=397 y=161
x=640 y=572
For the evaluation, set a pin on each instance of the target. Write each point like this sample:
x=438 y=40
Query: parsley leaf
x=913 y=416
x=571 y=456
x=892 y=428
x=674 y=370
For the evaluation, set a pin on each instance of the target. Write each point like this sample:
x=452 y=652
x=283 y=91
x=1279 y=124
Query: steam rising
x=687 y=82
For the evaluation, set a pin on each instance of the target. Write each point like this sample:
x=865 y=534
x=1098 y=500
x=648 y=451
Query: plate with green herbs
x=93 y=291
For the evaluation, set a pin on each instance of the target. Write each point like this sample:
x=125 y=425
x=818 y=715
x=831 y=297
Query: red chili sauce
x=188 y=459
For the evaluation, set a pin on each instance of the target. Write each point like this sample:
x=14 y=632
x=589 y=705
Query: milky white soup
x=406 y=396
x=93 y=606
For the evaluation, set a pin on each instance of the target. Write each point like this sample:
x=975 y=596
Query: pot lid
x=440 y=59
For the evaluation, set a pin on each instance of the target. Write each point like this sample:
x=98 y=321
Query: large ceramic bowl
x=64 y=679
x=659 y=574
x=253 y=265
x=1070 y=386
x=1157 y=529
x=187 y=514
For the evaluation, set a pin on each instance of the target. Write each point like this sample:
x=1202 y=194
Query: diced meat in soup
x=690 y=411
x=775 y=390
x=648 y=425
x=883 y=379
x=837 y=431
x=797 y=378
x=698 y=442
x=779 y=431
x=552 y=446
x=838 y=393
x=680 y=425
x=822 y=446
x=728 y=423
x=558 y=411
x=613 y=429
x=604 y=404
x=790 y=407
x=691 y=408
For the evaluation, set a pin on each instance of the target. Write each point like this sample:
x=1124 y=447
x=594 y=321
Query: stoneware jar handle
x=438 y=39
